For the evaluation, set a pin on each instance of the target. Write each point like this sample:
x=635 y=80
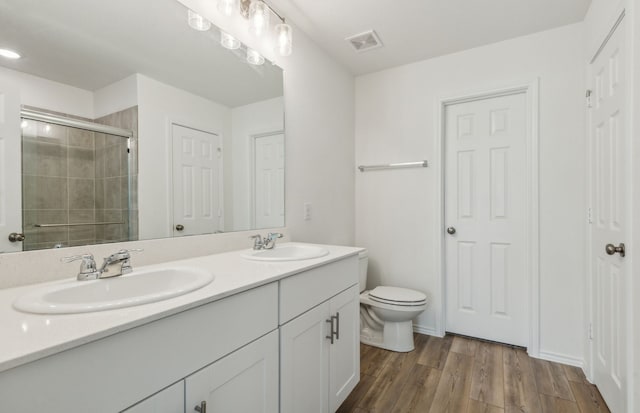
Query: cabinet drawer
x=304 y=291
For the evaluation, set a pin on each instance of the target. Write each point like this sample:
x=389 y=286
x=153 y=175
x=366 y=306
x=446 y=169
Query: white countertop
x=27 y=337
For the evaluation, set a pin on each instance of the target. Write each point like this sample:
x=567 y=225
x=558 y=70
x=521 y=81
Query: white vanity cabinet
x=319 y=338
x=244 y=381
x=169 y=400
x=118 y=371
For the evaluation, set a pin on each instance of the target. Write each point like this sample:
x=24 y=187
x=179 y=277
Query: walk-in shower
x=78 y=179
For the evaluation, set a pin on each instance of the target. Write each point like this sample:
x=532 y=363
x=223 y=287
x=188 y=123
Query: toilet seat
x=398 y=296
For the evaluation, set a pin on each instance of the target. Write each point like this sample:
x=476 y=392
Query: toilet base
x=394 y=336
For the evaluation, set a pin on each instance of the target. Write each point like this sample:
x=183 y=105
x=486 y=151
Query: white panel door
x=304 y=364
x=10 y=167
x=269 y=181
x=609 y=221
x=197 y=189
x=244 y=381
x=485 y=204
x=344 y=353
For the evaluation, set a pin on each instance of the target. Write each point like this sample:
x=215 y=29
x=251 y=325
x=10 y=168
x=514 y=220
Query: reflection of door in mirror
x=197 y=177
x=10 y=187
x=268 y=191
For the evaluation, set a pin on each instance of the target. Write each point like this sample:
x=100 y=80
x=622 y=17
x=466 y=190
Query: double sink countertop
x=28 y=337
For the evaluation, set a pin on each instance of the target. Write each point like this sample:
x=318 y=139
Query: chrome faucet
x=266 y=243
x=113 y=265
x=117 y=264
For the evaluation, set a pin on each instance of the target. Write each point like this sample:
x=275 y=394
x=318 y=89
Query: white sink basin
x=287 y=253
x=139 y=287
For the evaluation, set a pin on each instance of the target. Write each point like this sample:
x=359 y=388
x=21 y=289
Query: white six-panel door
x=10 y=168
x=269 y=181
x=609 y=223
x=196 y=182
x=485 y=181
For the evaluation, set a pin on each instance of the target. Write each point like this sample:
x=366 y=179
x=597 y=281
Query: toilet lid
x=397 y=295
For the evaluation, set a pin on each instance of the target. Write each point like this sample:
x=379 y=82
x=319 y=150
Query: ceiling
x=413 y=30
x=91 y=44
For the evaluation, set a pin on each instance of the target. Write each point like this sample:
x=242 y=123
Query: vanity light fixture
x=254 y=58
x=228 y=7
x=197 y=22
x=259 y=14
x=229 y=42
x=284 y=39
x=9 y=54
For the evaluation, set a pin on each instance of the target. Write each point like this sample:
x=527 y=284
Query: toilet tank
x=363 y=263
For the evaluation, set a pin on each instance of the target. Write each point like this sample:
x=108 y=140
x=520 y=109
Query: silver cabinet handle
x=16 y=237
x=330 y=336
x=612 y=249
x=179 y=227
x=451 y=230
x=201 y=408
x=335 y=327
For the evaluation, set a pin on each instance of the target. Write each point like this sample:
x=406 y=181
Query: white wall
x=319 y=111
x=115 y=97
x=47 y=94
x=396 y=212
x=160 y=105
x=247 y=121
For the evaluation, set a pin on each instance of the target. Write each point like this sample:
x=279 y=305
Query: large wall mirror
x=121 y=122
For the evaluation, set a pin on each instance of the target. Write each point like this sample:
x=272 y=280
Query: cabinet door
x=169 y=400
x=344 y=353
x=244 y=381
x=304 y=366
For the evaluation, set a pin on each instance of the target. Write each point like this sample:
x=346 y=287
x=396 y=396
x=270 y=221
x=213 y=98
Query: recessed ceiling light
x=9 y=54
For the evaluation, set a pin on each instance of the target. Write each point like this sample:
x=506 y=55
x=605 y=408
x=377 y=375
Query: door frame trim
x=532 y=248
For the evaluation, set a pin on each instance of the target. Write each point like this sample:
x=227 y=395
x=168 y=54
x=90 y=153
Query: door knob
x=451 y=230
x=179 y=227
x=612 y=249
x=16 y=237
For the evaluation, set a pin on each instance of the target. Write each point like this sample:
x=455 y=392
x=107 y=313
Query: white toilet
x=386 y=313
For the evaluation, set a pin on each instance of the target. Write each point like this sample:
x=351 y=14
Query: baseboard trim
x=429 y=331
x=561 y=358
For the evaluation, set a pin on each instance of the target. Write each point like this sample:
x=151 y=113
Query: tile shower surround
x=76 y=176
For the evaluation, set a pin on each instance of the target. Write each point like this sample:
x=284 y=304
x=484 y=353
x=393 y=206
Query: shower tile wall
x=112 y=179
x=74 y=176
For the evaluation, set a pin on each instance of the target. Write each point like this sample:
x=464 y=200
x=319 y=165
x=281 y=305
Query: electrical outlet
x=307 y=211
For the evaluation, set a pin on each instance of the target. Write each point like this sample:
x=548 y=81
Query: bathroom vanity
x=262 y=337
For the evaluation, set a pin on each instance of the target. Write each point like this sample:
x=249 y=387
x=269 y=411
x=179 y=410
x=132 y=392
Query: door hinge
x=590 y=215
x=589 y=93
x=590 y=331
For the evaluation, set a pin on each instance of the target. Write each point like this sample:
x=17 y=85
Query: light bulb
x=284 y=39
x=227 y=7
x=198 y=22
x=254 y=57
x=229 y=42
x=259 y=17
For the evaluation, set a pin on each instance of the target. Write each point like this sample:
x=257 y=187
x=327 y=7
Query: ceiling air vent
x=364 y=42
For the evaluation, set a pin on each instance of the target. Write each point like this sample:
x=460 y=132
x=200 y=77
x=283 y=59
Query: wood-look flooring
x=460 y=375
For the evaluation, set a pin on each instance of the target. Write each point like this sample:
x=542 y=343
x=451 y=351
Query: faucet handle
x=274 y=235
x=73 y=258
x=257 y=241
x=88 y=268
